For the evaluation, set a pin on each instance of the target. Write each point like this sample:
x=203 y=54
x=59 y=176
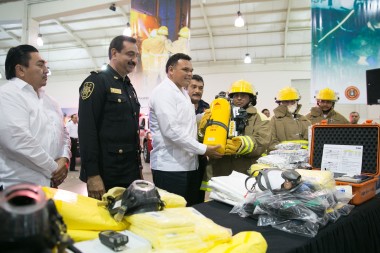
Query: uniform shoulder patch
x=88 y=88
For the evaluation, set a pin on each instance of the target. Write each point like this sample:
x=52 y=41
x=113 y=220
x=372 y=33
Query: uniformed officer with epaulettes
x=108 y=122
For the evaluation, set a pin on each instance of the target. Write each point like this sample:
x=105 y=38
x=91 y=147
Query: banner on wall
x=162 y=28
x=345 y=43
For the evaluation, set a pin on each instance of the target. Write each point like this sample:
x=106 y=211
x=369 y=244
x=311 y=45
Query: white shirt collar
x=21 y=84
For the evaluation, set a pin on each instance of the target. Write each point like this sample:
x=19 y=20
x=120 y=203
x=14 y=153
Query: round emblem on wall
x=352 y=93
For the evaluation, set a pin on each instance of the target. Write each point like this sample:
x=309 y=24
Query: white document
x=345 y=159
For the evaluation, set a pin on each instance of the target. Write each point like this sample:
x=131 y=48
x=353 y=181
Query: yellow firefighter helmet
x=288 y=94
x=163 y=30
x=242 y=86
x=327 y=94
x=184 y=32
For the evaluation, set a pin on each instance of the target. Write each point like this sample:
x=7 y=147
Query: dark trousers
x=201 y=171
x=183 y=183
x=74 y=147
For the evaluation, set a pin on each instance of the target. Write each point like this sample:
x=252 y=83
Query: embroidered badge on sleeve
x=87 y=90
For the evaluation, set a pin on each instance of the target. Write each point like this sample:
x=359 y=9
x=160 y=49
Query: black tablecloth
x=356 y=233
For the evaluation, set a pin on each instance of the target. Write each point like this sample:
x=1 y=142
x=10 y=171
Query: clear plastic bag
x=288 y=146
x=301 y=212
x=285 y=161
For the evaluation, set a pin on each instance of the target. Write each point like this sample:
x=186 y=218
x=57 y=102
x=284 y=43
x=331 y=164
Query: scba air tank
x=217 y=129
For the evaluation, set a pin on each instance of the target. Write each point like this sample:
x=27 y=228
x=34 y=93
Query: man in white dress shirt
x=34 y=145
x=174 y=158
x=72 y=128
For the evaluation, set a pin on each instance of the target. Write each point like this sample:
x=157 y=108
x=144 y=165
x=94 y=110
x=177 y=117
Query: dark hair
x=117 y=43
x=355 y=112
x=174 y=59
x=17 y=55
x=198 y=78
x=264 y=110
x=72 y=115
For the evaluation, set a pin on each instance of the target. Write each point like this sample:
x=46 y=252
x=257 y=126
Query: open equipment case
x=366 y=135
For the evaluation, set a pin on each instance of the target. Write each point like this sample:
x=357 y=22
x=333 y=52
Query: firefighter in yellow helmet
x=287 y=124
x=146 y=46
x=163 y=30
x=326 y=99
x=154 y=57
x=242 y=151
x=184 y=32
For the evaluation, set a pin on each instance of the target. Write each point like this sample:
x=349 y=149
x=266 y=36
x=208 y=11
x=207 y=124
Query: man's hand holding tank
x=212 y=152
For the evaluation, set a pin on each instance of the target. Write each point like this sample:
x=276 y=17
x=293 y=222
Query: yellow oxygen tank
x=217 y=130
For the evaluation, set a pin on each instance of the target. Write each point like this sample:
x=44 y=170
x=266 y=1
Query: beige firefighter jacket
x=286 y=127
x=333 y=117
x=258 y=128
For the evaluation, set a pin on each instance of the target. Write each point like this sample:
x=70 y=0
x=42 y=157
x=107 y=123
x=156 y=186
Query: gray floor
x=73 y=183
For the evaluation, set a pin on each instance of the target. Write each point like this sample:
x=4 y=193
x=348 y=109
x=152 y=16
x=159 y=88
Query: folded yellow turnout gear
x=189 y=242
x=181 y=228
x=249 y=241
x=83 y=235
x=82 y=213
x=171 y=200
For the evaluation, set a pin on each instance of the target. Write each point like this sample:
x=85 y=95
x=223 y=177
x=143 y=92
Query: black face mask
x=141 y=196
x=30 y=223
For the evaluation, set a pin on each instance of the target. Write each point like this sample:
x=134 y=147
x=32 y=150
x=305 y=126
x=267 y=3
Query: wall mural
x=345 y=43
x=162 y=28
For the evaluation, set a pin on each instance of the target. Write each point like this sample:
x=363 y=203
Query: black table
x=356 y=233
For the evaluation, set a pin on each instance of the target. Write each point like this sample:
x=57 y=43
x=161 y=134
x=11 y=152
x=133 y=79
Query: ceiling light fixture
x=113 y=7
x=127 y=31
x=239 y=21
x=40 y=41
x=247 y=58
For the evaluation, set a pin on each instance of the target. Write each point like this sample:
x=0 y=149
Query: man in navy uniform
x=108 y=126
x=195 y=91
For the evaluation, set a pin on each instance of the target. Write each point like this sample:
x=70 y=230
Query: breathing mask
x=275 y=180
x=239 y=119
x=292 y=108
x=30 y=223
x=141 y=196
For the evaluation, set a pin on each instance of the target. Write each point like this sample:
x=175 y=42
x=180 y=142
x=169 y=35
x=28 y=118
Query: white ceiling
x=77 y=33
